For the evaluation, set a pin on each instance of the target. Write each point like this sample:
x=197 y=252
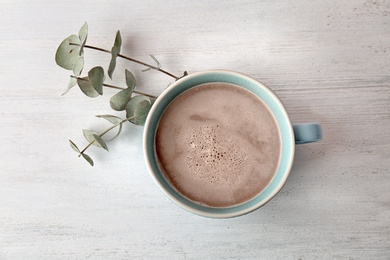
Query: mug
x=290 y=136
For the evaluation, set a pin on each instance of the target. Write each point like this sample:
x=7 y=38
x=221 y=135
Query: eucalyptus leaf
x=78 y=68
x=83 y=35
x=141 y=112
x=157 y=62
x=88 y=134
x=130 y=79
x=117 y=134
x=71 y=84
x=115 y=50
x=114 y=53
x=132 y=106
x=110 y=118
x=86 y=87
x=87 y=158
x=67 y=55
x=114 y=120
x=100 y=141
x=119 y=100
x=96 y=77
x=158 y=65
x=118 y=40
x=74 y=146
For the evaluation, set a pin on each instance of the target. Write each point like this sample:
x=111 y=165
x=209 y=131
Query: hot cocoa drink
x=218 y=144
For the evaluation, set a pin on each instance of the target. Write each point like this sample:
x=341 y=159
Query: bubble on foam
x=214 y=156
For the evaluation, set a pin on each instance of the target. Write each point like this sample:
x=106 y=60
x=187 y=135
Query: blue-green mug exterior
x=303 y=133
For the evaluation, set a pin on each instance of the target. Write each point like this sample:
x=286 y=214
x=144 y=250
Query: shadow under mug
x=290 y=136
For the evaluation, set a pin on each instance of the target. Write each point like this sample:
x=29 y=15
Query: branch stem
x=116 y=87
x=105 y=132
x=130 y=59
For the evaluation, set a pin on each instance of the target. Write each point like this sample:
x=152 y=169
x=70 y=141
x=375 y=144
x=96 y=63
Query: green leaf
x=67 y=55
x=83 y=34
x=118 y=40
x=130 y=79
x=100 y=141
x=72 y=83
x=115 y=50
x=136 y=108
x=132 y=105
x=158 y=65
x=78 y=68
x=88 y=134
x=96 y=77
x=111 y=118
x=155 y=60
x=117 y=134
x=86 y=87
x=119 y=100
x=142 y=111
x=114 y=120
x=87 y=158
x=74 y=146
x=111 y=67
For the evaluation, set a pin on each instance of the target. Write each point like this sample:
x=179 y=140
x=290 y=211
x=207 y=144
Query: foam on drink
x=218 y=144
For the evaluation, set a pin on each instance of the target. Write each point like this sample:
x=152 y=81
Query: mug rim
x=215 y=213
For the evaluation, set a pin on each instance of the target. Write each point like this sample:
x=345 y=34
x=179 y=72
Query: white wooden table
x=329 y=61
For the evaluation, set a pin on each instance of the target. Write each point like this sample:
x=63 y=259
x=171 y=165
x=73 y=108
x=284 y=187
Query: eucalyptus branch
x=129 y=59
x=136 y=114
x=70 y=56
x=105 y=132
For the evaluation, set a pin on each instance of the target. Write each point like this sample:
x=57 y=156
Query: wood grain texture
x=329 y=61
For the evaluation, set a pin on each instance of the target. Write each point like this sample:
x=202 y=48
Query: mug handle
x=307 y=133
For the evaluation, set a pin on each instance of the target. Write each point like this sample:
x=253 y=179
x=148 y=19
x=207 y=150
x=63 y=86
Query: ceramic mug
x=290 y=136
